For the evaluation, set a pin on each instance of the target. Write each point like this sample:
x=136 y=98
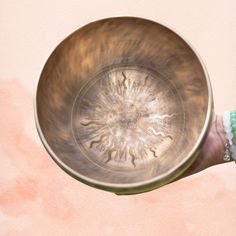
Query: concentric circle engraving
x=127 y=117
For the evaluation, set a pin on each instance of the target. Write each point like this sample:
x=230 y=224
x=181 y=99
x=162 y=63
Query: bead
x=234 y=134
x=229 y=135
x=226 y=157
x=226 y=113
x=233 y=148
x=226 y=120
x=233 y=120
x=233 y=111
x=227 y=154
x=234 y=127
x=233 y=115
x=234 y=157
x=227 y=123
x=226 y=116
x=228 y=129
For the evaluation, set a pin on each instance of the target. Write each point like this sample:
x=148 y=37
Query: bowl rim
x=155 y=182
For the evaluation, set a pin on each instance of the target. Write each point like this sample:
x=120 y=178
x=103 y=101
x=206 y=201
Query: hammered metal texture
x=121 y=104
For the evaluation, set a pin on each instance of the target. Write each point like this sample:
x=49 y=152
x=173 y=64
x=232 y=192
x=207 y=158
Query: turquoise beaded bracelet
x=229 y=122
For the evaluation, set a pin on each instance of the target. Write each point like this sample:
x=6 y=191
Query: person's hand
x=213 y=148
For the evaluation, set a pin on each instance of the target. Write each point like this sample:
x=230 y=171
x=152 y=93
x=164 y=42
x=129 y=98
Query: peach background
x=36 y=196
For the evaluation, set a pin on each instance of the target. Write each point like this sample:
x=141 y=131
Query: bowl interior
x=122 y=101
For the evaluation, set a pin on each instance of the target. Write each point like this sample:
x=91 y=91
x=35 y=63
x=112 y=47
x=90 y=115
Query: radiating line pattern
x=122 y=118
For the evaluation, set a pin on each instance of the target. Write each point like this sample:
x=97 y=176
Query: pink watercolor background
x=37 y=197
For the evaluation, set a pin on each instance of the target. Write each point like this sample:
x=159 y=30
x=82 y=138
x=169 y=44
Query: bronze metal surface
x=123 y=104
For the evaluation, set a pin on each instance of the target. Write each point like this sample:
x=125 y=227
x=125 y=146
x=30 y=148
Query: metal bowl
x=123 y=104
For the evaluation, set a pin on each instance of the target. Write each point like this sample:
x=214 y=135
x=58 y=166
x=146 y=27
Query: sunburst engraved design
x=121 y=119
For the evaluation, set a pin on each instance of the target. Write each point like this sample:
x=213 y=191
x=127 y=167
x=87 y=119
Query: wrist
x=220 y=136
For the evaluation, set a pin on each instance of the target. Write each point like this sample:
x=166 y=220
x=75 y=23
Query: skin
x=213 y=148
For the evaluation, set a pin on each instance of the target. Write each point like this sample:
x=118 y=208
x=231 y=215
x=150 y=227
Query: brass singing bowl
x=123 y=104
